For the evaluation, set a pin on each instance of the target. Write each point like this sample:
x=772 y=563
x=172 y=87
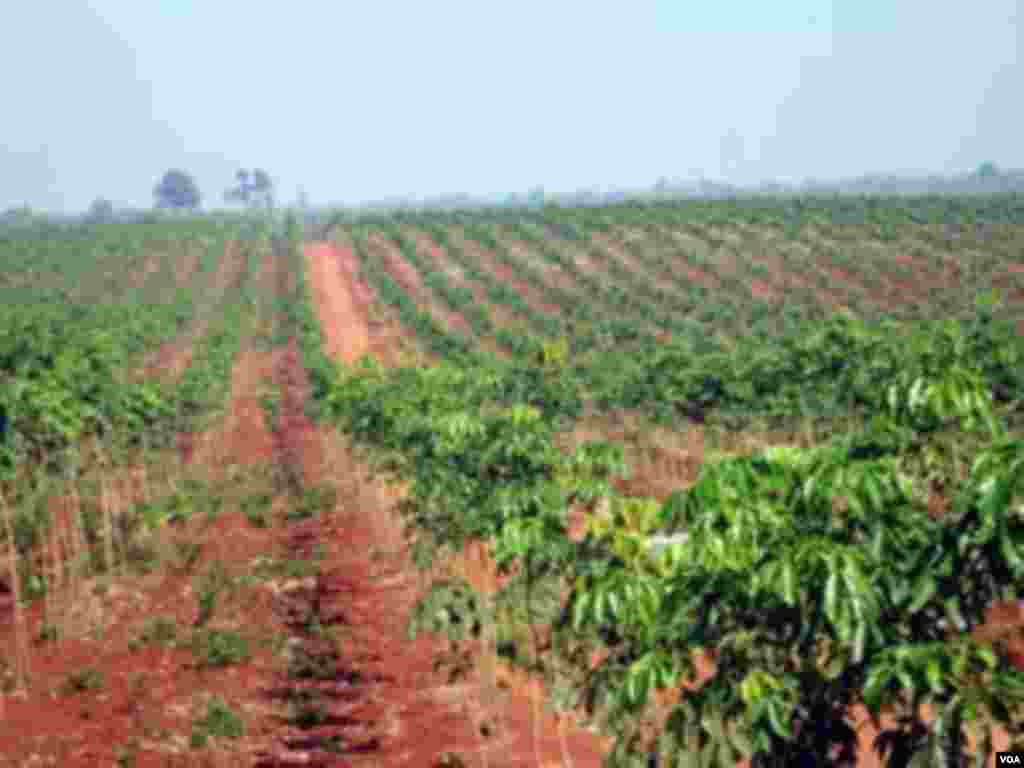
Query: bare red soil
x=387 y=340
x=150 y=267
x=336 y=303
x=1008 y=282
x=759 y=289
x=348 y=262
x=700 y=277
x=187 y=267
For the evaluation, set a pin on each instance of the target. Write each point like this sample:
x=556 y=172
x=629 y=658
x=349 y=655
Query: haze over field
x=353 y=102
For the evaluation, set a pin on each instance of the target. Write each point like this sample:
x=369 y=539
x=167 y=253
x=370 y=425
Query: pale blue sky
x=356 y=101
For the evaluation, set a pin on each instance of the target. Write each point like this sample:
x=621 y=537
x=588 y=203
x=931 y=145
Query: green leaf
x=582 y=605
x=953 y=612
x=924 y=590
x=933 y=673
x=860 y=642
x=1010 y=553
x=789 y=588
x=613 y=603
x=601 y=606
x=877 y=679
x=987 y=656
x=831 y=592
x=778 y=718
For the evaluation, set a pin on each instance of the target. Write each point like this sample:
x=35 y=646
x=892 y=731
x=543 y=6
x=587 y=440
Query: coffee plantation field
x=692 y=482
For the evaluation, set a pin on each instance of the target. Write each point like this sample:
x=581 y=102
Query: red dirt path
x=336 y=304
x=339 y=267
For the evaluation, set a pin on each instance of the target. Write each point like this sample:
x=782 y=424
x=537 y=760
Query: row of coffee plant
x=66 y=366
x=74 y=402
x=816 y=581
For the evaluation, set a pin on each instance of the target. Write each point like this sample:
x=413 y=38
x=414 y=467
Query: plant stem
x=21 y=659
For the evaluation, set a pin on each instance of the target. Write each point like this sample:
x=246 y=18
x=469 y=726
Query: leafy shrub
x=219 y=722
x=160 y=630
x=214 y=582
x=220 y=648
x=819 y=576
x=313 y=501
x=308 y=710
x=257 y=508
x=88 y=679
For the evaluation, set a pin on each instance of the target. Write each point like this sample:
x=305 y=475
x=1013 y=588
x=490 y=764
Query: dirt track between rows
x=345 y=330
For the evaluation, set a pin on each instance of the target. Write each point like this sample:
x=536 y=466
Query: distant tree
x=177 y=189
x=254 y=189
x=240 y=192
x=987 y=171
x=18 y=214
x=101 y=211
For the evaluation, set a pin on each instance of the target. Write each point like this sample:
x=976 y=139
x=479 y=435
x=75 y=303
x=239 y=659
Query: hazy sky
x=361 y=100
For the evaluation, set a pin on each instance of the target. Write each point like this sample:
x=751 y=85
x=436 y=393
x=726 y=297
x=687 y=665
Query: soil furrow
x=489 y=260
x=172 y=358
x=411 y=281
x=499 y=316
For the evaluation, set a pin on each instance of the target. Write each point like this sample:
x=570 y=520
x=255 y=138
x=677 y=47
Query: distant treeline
x=986 y=180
